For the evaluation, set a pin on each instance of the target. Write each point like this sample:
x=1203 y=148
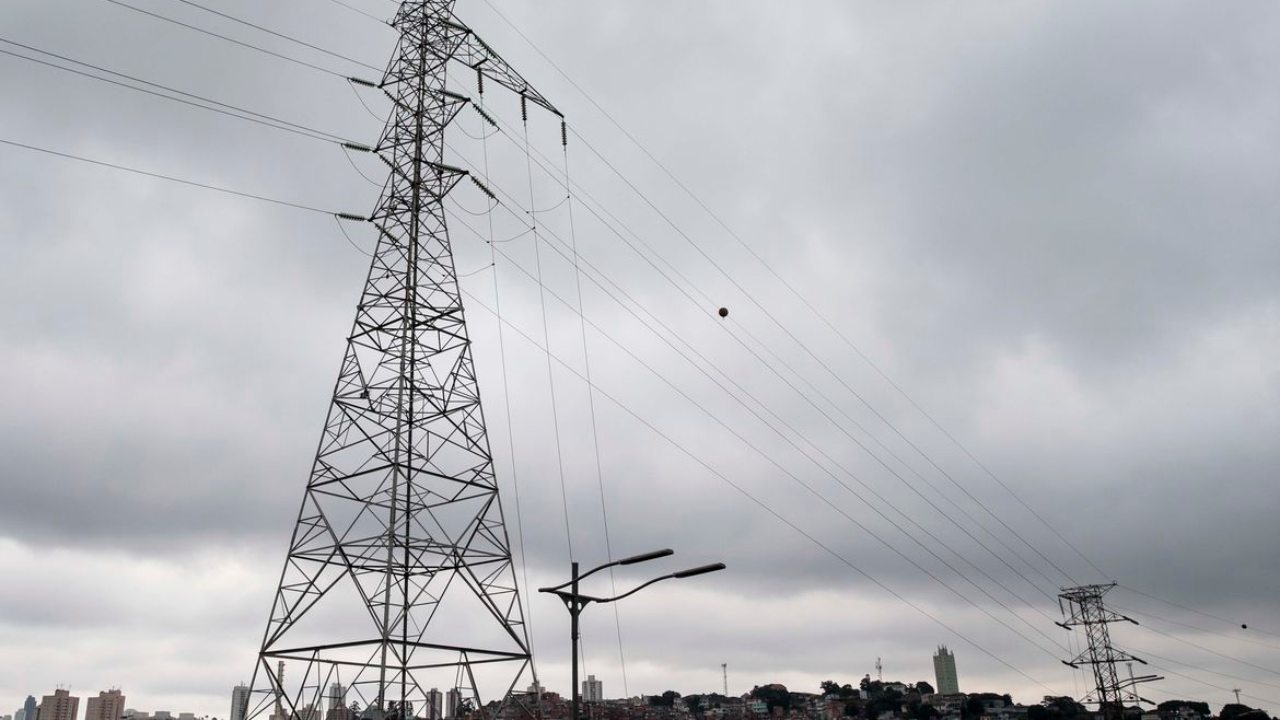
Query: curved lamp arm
x=644 y=557
x=701 y=570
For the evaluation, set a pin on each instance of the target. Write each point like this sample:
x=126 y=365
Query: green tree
x=924 y=688
x=666 y=699
x=1234 y=711
x=830 y=687
x=775 y=696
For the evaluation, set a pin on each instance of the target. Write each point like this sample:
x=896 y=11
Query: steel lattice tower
x=399 y=577
x=1084 y=607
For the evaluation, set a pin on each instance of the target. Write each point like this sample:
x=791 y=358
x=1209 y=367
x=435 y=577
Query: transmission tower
x=399 y=580
x=1084 y=607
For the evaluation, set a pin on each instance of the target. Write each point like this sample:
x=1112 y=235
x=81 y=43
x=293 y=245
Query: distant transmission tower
x=1083 y=607
x=399 y=578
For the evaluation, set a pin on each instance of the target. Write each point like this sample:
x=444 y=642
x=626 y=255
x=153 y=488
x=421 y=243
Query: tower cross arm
x=477 y=54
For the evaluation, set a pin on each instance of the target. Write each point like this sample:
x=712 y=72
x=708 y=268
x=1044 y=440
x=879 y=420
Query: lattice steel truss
x=1083 y=607
x=399 y=577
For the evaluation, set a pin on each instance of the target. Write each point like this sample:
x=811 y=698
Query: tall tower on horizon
x=944 y=671
x=592 y=689
x=399 y=575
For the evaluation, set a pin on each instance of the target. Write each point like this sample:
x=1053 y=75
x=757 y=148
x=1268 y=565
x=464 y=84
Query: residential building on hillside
x=59 y=706
x=944 y=670
x=592 y=689
x=108 y=705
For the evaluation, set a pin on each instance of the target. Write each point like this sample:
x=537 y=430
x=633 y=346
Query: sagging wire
x=476 y=272
x=352 y=82
x=338 y=218
x=546 y=330
x=591 y=400
x=523 y=600
x=346 y=151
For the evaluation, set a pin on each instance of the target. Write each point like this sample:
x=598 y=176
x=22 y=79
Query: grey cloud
x=1052 y=223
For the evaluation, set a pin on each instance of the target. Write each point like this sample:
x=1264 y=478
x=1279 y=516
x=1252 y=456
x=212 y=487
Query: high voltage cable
x=811 y=306
x=1209 y=615
x=811 y=353
x=837 y=425
x=194 y=101
x=1217 y=633
x=807 y=487
x=768 y=424
x=1148 y=654
x=1207 y=683
x=280 y=35
x=506 y=398
x=760 y=503
x=546 y=334
x=174 y=179
x=355 y=9
x=880 y=497
x=1211 y=651
x=232 y=40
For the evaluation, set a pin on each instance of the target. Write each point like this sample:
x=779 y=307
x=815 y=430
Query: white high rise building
x=944 y=670
x=592 y=689
x=239 y=702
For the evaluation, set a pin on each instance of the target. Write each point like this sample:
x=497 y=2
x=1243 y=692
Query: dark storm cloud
x=1051 y=223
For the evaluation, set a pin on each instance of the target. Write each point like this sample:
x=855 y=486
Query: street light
x=576 y=602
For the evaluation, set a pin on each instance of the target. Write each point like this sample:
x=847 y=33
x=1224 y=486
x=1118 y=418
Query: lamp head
x=647 y=556
x=698 y=570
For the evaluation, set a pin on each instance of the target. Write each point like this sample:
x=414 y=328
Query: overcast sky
x=1053 y=225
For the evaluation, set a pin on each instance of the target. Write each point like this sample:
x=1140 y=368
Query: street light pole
x=576 y=602
x=575 y=609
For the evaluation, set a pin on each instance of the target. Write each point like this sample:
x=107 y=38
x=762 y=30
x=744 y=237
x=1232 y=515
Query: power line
x=280 y=35
x=810 y=401
x=355 y=9
x=171 y=178
x=760 y=503
x=1203 y=613
x=796 y=479
x=194 y=101
x=812 y=308
x=232 y=40
x=1147 y=615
